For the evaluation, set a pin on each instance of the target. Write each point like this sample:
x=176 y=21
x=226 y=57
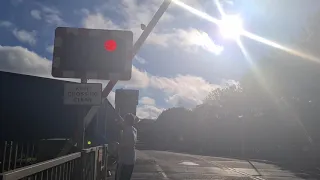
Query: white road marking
x=159 y=169
x=189 y=163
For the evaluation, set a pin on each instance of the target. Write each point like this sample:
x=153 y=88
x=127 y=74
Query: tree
x=172 y=127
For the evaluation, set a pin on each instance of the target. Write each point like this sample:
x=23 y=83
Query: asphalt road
x=156 y=165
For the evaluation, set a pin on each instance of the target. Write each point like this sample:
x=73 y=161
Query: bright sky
x=173 y=67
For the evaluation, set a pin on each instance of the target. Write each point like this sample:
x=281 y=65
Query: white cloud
x=186 y=88
x=147 y=108
x=54 y=19
x=180 y=89
x=20 y=60
x=6 y=24
x=136 y=14
x=52 y=16
x=139 y=79
x=98 y=21
x=49 y=49
x=36 y=14
x=50 y=10
x=161 y=39
x=140 y=59
x=178 y=100
x=189 y=40
x=193 y=39
x=21 y=34
x=25 y=36
x=148 y=112
x=147 y=101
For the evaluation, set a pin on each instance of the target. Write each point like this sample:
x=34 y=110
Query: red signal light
x=110 y=45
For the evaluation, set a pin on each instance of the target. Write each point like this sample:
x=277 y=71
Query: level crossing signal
x=92 y=54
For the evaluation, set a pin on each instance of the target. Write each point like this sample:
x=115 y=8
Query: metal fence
x=16 y=154
x=90 y=164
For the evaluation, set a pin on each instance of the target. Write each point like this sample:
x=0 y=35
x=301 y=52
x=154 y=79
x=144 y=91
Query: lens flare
x=246 y=33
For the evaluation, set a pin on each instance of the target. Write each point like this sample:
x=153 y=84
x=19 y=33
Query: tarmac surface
x=164 y=165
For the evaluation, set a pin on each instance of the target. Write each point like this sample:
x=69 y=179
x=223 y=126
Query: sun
x=231 y=26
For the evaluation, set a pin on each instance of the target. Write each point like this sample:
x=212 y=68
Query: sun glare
x=231 y=26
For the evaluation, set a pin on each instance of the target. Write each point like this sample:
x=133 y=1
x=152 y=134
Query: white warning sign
x=82 y=94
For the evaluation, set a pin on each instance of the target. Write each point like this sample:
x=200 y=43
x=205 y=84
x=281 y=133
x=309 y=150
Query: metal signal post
x=136 y=47
x=82 y=113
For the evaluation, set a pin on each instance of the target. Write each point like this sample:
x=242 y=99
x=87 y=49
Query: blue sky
x=171 y=68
